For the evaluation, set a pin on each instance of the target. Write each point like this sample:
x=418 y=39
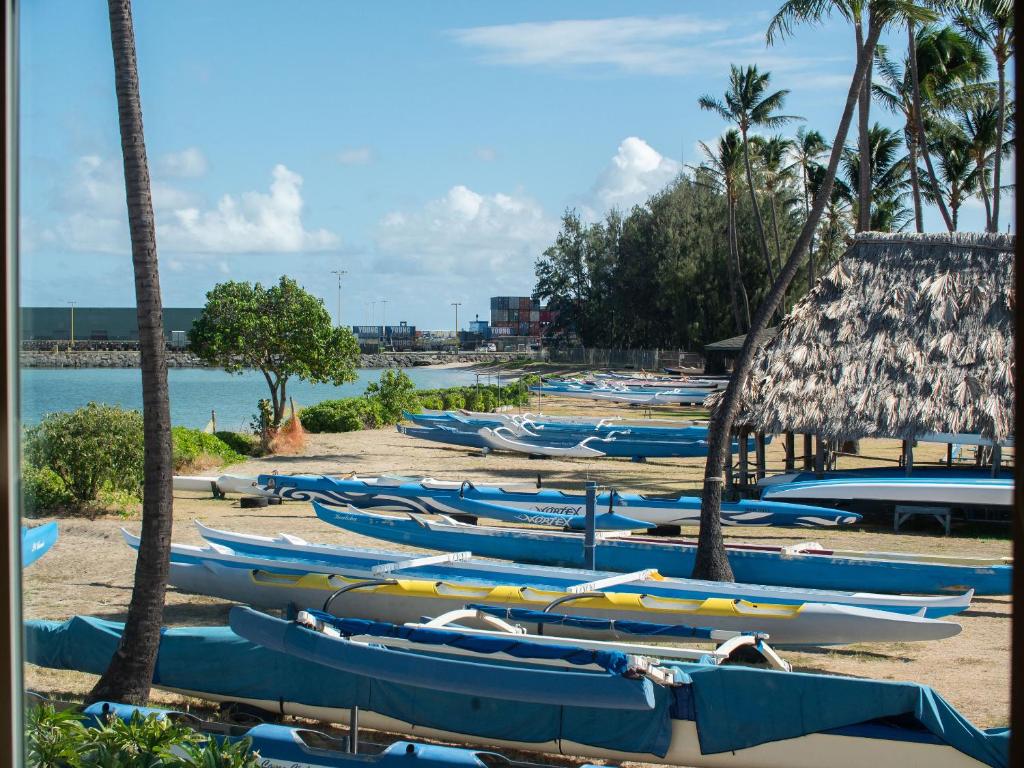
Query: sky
x=426 y=149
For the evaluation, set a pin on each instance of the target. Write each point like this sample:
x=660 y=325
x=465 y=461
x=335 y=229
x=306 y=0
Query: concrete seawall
x=181 y=359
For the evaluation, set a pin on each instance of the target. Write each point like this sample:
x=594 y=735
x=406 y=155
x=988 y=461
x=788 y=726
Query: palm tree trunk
x=711 y=561
x=735 y=247
x=922 y=137
x=864 y=143
x=915 y=182
x=762 y=241
x=984 y=197
x=778 y=245
x=130 y=674
x=730 y=265
x=807 y=215
x=997 y=189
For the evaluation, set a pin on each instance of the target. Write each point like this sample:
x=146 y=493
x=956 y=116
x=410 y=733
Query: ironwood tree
x=130 y=674
x=282 y=330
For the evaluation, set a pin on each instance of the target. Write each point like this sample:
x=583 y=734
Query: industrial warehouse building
x=99 y=323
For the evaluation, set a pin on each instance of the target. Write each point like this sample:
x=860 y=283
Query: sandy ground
x=90 y=569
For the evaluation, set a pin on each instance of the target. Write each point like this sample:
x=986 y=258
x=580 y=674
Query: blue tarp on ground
x=215 y=660
x=768 y=706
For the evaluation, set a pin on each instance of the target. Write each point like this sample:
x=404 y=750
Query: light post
x=339 y=273
x=72 y=340
x=456 y=304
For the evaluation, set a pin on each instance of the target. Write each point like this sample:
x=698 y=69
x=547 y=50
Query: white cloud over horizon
x=92 y=217
x=635 y=173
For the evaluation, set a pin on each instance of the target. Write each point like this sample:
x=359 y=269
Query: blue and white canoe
x=36 y=542
x=537 y=425
x=630 y=397
x=710 y=716
x=927 y=489
x=281 y=746
x=445 y=497
x=801 y=565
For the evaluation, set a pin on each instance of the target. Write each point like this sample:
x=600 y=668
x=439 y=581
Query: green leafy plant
x=395 y=392
x=53 y=738
x=194 y=447
x=243 y=443
x=93 y=447
x=42 y=490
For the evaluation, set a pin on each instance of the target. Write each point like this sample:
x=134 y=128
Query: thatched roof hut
x=906 y=336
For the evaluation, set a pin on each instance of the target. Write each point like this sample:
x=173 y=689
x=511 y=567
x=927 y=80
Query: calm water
x=195 y=391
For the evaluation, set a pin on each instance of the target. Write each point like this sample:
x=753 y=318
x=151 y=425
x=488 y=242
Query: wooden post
x=808 y=452
x=819 y=456
x=908 y=454
x=759 y=454
x=997 y=459
x=790 y=447
x=949 y=455
x=743 y=458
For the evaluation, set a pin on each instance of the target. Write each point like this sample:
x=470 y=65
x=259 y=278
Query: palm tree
x=711 y=561
x=979 y=122
x=885 y=12
x=748 y=105
x=725 y=166
x=888 y=174
x=807 y=149
x=947 y=62
x=959 y=175
x=130 y=674
x=990 y=22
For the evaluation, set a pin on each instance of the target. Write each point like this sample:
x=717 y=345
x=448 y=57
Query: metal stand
x=904 y=512
x=589 y=537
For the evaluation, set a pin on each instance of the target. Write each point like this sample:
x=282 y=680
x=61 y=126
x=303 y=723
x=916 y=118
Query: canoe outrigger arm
x=357 y=585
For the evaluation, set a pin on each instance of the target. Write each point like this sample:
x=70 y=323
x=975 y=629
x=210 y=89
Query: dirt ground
x=90 y=569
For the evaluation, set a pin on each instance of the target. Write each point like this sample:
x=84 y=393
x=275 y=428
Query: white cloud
x=92 y=216
x=355 y=156
x=466 y=231
x=190 y=163
x=631 y=43
x=487 y=154
x=636 y=172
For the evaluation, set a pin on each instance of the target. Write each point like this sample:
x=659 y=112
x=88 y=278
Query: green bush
x=60 y=740
x=90 y=448
x=42 y=490
x=240 y=442
x=191 y=446
x=395 y=392
x=348 y=415
x=430 y=401
x=453 y=399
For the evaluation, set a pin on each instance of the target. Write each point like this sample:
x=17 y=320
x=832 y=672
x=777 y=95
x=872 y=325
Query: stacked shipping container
x=518 y=316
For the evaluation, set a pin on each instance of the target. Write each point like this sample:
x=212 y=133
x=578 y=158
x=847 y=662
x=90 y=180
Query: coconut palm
x=959 y=176
x=725 y=166
x=748 y=104
x=884 y=12
x=979 y=121
x=990 y=23
x=807 y=150
x=130 y=673
x=947 y=63
x=889 y=179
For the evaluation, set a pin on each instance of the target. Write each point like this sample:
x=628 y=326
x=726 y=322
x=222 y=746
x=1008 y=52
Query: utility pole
x=72 y=340
x=456 y=304
x=339 y=273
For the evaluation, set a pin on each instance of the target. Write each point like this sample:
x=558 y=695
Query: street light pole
x=339 y=273
x=72 y=340
x=456 y=304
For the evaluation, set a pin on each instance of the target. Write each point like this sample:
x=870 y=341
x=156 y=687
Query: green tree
x=396 y=392
x=888 y=173
x=130 y=674
x=959 y=177
x=991 y=23
x=978 y=119
x=807 y=151
x=281 y=331
x=748 y=104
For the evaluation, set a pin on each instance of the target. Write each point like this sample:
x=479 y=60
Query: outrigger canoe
x=36 y=542
x=714 y=716
x=446 y=497
x=384 y=593
x=930 y=489
x=799 y=565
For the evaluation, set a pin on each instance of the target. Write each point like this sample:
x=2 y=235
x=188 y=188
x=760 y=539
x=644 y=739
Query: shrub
x=60 y=740
x=90 y=448
x=453 y=399
x=394 y=392
x=241 y=442
x=42 y=490
x=431 y=401
x=348 y=415
x=195 y=447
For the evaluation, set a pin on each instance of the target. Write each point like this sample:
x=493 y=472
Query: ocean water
x=195 y=392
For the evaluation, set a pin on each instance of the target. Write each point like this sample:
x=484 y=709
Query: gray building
x=97 y=323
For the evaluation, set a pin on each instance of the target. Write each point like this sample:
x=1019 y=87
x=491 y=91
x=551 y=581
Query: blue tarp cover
x=615 y=662
x=215 y=660
x=765 y=706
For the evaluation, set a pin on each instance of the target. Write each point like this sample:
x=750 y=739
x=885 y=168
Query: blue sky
x=426 y=148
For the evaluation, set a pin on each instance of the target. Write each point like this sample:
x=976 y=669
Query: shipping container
x=534 y=315
x=499 y=316
x=501 y=331
x=535 y=304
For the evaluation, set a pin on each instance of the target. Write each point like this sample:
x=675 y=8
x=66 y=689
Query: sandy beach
x=89 y=570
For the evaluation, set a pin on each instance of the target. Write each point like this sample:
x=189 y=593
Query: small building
x=906 y=337
x=720 y=356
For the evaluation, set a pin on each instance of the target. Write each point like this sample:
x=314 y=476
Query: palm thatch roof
x=907 y=335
